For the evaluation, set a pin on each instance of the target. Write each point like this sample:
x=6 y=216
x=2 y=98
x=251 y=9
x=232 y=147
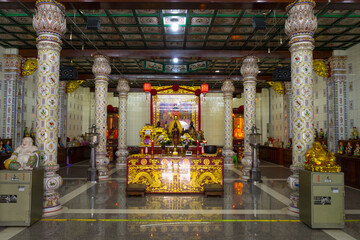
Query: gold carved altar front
x=175 y=174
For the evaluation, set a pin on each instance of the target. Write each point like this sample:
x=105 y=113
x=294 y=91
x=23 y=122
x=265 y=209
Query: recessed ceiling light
x=175 y=27
x=175 y=60
x=217 y=71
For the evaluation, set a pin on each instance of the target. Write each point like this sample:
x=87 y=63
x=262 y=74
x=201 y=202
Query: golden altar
x=168 y=174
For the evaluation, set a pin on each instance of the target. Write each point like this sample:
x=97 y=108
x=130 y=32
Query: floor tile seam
x=273 y=193
x=338 y=234
x=82 y=189
x=180 y=211
x=10 y=232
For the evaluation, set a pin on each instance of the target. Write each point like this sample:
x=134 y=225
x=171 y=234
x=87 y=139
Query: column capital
x=101 y=67
x=12 y=63
x=249 y=68
x=123 y=86
x=228 y=86
x=301 y=24
x=338 y=62
x=49 y=21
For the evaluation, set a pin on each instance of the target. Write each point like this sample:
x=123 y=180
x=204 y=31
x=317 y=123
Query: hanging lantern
x=204 y=88
x=147 y=87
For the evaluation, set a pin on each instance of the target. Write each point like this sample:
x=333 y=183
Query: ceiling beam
x=180 y=53
x=184 y=4
x=175 y=77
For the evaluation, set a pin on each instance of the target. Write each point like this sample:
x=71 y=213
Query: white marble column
x=228 y=90
x=249 y=71
x=122 y=152
x=101 y=70
x=50 y=25
x=300 y=27
x=338 y=80
x=63 y=100
x=12 y=65
x=287 y=113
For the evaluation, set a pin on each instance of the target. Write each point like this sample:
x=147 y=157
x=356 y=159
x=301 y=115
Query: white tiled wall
x=212 y=118
x=77 y=112
x=138 y=114
x=29 y=108
x=320 y=102
x=353 y=96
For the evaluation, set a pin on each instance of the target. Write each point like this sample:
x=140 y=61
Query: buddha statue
x=320 y=160
x=172 y=123
x=175 y=135
x=24 y=157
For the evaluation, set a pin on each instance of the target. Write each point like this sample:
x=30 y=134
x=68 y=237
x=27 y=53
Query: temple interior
x=212 y=119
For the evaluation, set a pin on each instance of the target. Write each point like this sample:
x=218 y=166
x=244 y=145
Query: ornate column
x=300 y=27
x=101 y=70
x=249 y=71
x=228 y=89
x=122 y=152
x=287 y=113
x=63 y=100
x=338 y=81
x=50 y=25
x=12 y=64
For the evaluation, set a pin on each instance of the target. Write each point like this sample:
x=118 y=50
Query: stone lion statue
x=24 y=157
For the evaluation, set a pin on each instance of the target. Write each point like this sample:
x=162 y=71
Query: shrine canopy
x=181 y=101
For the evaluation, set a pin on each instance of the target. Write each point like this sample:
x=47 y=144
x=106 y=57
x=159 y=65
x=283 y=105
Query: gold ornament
x=73 y=85
x=320 y=68
x=320 y=159
x=277 y=86
x=29 y=67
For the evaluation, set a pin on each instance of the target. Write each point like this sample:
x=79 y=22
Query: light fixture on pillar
x=255 y=143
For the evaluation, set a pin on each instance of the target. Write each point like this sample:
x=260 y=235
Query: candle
x=152 y=147
x=197 y=147
x=146 y=150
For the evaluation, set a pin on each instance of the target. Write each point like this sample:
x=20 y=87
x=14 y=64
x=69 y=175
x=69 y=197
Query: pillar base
x=52 y=181
x=52 y=211
x=120 y=165
x=228 y=153
x=101 y=165
x=293 y=182
x=122 y=155
x=246 y=162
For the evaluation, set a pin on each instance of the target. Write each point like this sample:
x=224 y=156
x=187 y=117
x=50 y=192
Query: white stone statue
x=24 y=157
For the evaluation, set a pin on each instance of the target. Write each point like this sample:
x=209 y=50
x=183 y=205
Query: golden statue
x=320 y=160
x=171 y=126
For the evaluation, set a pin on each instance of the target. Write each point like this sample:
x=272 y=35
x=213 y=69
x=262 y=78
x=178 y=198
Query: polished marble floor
x=101 y=211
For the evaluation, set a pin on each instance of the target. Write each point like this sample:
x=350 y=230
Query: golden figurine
x=341 y=148
x=171 y=126
x=320 y=160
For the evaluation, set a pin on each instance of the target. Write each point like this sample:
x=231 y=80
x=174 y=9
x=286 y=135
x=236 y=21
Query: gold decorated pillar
x=101 y=70
x=300 y=27
x=50 y=25
x=249 y=71
x=228 y=90
x=122 y=152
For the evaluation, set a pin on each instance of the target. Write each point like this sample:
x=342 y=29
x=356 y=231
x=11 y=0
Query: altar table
x=171 y=174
